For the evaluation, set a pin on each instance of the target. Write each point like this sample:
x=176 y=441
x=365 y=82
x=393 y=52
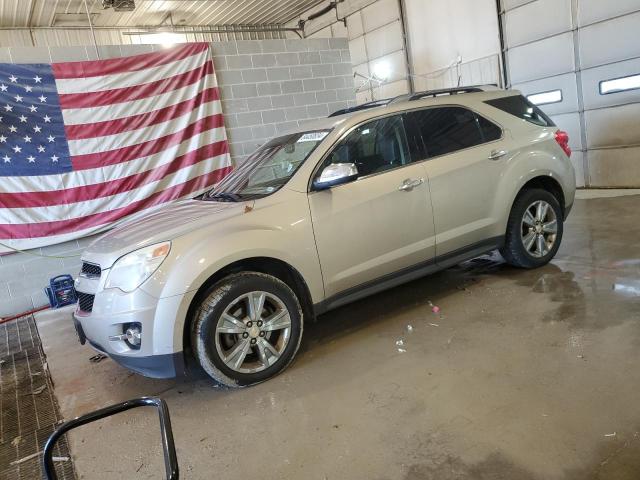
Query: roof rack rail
x=363 y=106
x=445 y=91
x=414 y=96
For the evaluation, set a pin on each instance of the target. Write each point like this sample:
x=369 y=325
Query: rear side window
x=448 y=129
x=520 y=107
x=490 y=131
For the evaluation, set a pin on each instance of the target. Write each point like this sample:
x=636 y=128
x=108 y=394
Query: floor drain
x=28 y=409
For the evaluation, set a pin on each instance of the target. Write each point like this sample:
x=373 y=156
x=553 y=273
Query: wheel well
x=546 y=183
x=271 y=266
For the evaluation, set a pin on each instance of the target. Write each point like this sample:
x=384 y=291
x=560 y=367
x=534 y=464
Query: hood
x=166 y=223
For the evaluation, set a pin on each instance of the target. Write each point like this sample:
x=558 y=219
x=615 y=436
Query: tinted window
x=374 y=147
x=448 y=129
x=520 y=107
x=490 y=131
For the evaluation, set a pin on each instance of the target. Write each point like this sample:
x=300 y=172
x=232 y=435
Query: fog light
x=133 y=335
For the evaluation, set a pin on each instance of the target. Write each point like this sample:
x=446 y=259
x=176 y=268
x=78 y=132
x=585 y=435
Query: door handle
x=497 y=154
x=410 y=184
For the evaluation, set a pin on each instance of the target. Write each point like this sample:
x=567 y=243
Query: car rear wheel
x=247 y=329
x=534 y=230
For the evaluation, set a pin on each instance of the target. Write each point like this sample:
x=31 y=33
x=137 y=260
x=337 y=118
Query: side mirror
x=336 y=174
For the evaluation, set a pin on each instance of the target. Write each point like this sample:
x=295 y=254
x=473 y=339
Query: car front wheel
x=247 y=329
x=534 y=230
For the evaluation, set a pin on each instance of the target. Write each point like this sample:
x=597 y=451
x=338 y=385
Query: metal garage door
x=583 y=57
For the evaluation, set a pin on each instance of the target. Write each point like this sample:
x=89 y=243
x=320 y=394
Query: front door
x=380 y=223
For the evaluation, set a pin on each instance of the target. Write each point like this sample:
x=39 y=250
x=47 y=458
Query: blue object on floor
x=61 y=291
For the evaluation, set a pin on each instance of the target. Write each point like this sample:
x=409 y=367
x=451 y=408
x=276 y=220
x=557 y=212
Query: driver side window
x=374 y=147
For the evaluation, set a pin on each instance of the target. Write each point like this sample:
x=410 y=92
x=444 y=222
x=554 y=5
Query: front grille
x=85 y=301
x=90 y=270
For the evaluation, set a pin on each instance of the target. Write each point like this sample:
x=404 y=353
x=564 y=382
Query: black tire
x=514 y=251
x=213 y=305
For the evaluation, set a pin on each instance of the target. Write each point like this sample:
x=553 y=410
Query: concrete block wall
x=267 y=86
x=271 y=86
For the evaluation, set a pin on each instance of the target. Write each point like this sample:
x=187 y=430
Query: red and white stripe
x=142 y=131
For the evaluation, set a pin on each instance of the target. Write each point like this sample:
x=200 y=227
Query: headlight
x=132 y=270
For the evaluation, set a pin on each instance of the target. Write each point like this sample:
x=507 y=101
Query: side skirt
x=408 y=274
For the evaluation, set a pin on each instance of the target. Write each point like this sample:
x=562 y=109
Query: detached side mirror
x=336 y=174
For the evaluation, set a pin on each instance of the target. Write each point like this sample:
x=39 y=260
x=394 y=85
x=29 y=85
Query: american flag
x=84 y=145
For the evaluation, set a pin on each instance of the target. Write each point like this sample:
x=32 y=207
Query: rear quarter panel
x=533 y=153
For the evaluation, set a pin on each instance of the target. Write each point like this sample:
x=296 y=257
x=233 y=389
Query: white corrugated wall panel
x=610 y=41
x=591 y=84
x=591 y=11
x=554 y=17
x=384 y=40
x=379 y=14
x=613 y=127
x=565 y=83
x=358 y=50
x=604 y=129
x=548 y=57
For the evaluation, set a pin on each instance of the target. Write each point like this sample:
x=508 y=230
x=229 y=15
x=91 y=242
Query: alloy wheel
x=253 y=332
x=539 y=229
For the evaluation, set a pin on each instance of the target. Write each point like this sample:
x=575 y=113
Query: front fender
x=265 y=231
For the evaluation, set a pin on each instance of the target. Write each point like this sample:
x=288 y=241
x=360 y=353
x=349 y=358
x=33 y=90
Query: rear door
x=464 y=164
x=379 y=224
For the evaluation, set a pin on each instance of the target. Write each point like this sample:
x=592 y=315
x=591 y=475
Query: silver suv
x=350 y=205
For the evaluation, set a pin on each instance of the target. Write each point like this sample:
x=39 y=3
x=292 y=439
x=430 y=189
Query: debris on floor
x=38 y=390
x=434 y=308
x=409 y=328
x=610 y=434
x=97 y=358
x=434 y=324
x=400 y=343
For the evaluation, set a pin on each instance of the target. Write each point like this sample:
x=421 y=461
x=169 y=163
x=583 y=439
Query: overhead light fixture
x=382 y=70
x=72 y=19
x=166 y=39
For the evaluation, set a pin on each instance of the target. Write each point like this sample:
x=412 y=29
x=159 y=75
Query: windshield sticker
x=313 y=136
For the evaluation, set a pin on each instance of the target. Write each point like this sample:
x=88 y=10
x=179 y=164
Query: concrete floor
x=524 y=375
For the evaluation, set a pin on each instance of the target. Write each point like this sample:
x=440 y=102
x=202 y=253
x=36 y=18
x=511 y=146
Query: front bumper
x=159 y=354
x=155 y=366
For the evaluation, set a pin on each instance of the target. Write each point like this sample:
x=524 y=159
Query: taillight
x=563 y=140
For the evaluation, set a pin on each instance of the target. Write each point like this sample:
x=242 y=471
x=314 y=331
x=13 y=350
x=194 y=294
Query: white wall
x=374 y=31
x=441 y=31
x=571 y=46
x=438 y=32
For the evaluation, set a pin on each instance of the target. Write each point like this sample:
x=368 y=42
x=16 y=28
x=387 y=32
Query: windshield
x=268 y=168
